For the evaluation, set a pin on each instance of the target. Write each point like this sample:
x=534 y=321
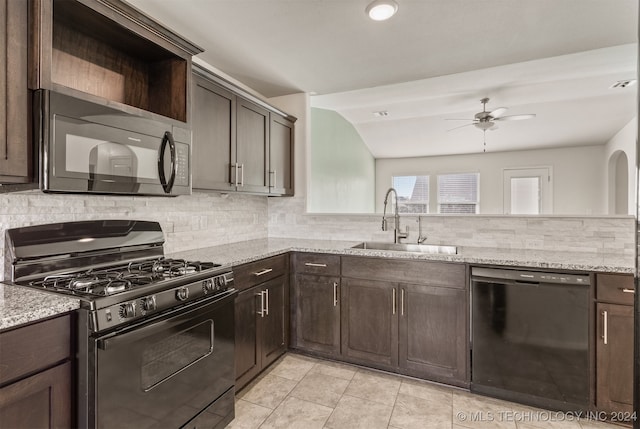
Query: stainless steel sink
x=402 y=247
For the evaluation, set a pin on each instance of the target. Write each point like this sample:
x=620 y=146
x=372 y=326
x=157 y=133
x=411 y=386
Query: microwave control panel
x=182 y=161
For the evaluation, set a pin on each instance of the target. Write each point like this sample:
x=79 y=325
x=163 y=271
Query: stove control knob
x=220 y=282
x=128 y=310
x=182 y=294
x=208 y=286
x=149 y=303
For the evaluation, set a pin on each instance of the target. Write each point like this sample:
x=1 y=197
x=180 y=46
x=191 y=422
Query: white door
x=527 y=191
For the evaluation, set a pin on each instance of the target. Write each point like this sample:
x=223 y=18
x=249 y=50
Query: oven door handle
x=167 y=185
x=177 y=317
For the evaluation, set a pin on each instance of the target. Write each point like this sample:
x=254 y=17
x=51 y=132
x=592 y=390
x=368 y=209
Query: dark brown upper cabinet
x=213 y=136
x=281 y=152
x=107 y=51
x=15 y=148
x=240 y=144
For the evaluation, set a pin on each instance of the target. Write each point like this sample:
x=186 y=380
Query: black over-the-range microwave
x=87 y=147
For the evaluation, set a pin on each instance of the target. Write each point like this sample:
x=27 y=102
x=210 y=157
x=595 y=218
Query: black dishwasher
x=530 y=337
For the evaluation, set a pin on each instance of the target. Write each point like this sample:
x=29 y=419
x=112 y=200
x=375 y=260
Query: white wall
x=342 y=174
x=624 y=141
x=578 y=176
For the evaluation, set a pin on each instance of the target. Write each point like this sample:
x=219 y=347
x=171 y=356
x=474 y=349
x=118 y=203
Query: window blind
x=458 y=193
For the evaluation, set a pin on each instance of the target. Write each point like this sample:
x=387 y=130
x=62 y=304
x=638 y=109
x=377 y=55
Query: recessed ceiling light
x=623 y=83
x=381 y=113
x=381 y=10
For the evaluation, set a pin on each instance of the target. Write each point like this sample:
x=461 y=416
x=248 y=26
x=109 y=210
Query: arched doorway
x=618 y=183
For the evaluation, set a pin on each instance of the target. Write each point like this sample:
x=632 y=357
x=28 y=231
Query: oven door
x=169 y=371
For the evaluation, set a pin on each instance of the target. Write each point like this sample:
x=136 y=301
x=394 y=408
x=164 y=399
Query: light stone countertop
x=20 y=305
x=248 y=251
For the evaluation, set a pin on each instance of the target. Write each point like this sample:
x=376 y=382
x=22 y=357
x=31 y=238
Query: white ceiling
x=434 y=60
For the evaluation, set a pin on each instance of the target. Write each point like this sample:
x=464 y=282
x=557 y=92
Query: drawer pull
x=313 y=264
x=605 y=333
x=627 y=290
x=263 y=272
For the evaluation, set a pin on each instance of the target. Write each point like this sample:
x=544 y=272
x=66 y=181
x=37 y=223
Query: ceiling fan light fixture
x=484 y=125
x=381 y=10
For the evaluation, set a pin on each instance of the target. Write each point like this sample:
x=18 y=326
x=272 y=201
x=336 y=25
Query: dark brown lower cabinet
x=413 y=329
x=370 y=322
x=406 y=316
x=317 y=313
x=36 y=375
x=433 y=332
x=39 y=401
x=261 y=327
x=614 y=358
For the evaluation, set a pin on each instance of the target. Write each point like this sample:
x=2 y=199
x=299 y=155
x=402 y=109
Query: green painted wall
x=342 y=168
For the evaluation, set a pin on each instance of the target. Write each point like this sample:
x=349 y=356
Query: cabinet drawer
x=34 y=347
x=401 y=271
x=316 y=263
x=254 y=273
x=615 y=288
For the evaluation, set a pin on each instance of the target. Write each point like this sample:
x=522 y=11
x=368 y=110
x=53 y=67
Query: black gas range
x=155 y=334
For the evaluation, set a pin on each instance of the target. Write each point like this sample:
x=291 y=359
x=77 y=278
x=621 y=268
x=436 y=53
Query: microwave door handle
x=167 y=185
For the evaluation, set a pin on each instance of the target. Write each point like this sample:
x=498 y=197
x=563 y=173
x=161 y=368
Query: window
x=413 y=194
x=458 y=193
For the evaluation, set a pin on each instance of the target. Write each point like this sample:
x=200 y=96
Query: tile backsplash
x=287 y=218
x=189 y=221
x=203 y=219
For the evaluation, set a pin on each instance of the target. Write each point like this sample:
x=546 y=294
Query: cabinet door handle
x=402 y=302
x=241 y=167
x=335 y=294
x=235 y=174
x=605 y=327
x=313 y=264
x=393 y=300
x=261 y=295
x=266 y=304
x=627 y=290
x=275 y=179
x=263 y=272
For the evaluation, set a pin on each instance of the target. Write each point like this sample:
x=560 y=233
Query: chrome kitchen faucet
x=397 y=235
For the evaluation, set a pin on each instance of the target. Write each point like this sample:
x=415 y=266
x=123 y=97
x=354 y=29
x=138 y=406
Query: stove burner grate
x=112 y=280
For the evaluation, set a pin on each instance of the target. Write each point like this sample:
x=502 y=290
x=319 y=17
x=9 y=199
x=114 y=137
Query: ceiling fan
x=487 y=120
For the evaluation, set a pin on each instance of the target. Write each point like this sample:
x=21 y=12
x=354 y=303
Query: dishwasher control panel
x=526 y=276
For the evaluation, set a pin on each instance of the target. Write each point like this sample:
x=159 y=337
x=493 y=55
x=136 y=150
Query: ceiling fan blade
x=461 y=126
x=458 y=119
x=516 y=117
x=496 y=113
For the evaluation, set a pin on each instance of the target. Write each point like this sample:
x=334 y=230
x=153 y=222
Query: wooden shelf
x=110 y=50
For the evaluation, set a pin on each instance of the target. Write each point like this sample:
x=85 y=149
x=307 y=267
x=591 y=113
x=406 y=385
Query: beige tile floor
x=302 y=392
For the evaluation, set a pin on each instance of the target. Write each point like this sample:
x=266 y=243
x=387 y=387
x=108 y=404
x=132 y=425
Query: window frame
x=425 y=203
x=477 y=191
